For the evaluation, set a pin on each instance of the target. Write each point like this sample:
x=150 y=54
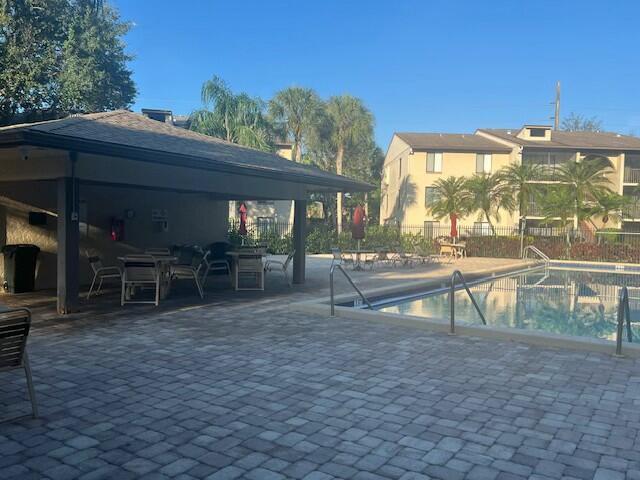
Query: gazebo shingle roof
x=127 y=132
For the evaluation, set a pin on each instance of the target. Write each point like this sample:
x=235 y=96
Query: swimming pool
x=567 y=299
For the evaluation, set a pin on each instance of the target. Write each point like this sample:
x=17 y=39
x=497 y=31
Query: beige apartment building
x=415 y=161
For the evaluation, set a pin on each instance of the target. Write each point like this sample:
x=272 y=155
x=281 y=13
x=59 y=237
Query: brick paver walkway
x=255 y=391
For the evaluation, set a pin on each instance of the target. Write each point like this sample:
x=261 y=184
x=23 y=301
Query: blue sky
x=444 y=66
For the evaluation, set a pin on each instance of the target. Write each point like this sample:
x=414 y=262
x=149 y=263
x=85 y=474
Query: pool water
x=570 y=302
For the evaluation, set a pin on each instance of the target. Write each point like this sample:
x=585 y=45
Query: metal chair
x=14 y=330
x=271 y=265
x=198 y=272
x=101 y=272
x=140 y=271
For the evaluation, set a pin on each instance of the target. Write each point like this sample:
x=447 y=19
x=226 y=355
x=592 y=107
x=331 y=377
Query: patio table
x=248 y=262
x=163 y=263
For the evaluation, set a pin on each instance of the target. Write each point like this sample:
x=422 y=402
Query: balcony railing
x=534 y=210
x=631 y=212
x=631 y=175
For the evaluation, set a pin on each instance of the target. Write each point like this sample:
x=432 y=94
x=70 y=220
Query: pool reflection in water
x=569 y=302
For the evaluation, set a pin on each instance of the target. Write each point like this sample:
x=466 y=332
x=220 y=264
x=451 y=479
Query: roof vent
x=618 y=135
x=508 y=132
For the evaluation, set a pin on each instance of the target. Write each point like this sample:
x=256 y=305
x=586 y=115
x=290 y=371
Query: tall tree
x=520 y=178
x=351 y=124
x=557 y=208
x=577 y=123
x=452 y=199
x=588 y=181
x=94 y=74
x=488 y=194
x=61 y=56
x=296 y=112
x=237 y=118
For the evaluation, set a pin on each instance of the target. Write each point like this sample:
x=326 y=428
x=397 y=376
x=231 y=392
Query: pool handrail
x=355 y=287
x=623 y=315
x=537 y=251
x=452 y=291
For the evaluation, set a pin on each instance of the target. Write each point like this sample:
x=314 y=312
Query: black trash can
x=20 y=267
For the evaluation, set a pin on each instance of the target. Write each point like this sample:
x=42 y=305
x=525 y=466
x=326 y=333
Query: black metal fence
x=481 y=240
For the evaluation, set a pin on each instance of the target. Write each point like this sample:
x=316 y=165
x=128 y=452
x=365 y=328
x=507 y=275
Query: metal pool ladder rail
x=623 y=315
x=333 y=304
x=537 y=251
x=452 y=303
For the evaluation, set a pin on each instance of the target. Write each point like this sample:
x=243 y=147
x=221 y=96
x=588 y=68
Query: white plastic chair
x=100 y=273
x=276 y=265
x=140 y=271
x=197 y=272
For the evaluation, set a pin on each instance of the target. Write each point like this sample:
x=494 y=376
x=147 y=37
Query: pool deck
x=241 y=386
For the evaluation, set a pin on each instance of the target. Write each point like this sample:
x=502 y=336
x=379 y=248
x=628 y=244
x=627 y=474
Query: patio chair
x=198 y=272
x=276 y=265
x=140 y=271
x=14 y=330
x=100 y=273
x=422 y=255
x=404 y=259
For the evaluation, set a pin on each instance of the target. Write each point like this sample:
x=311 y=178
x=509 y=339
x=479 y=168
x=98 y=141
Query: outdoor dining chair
x=14 y=330
x=276 y=265
x=140 y=271
x=198 y=272
x=100 y=273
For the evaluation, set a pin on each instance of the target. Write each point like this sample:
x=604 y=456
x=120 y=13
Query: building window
x=537 y=132
x=481 y=228
x=400 y=167
x=430 y=196
x=483 y=163
x=386 y=175
x=431 y=229
x=434 y=162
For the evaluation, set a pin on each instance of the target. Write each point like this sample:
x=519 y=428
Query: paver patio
x=249 y=389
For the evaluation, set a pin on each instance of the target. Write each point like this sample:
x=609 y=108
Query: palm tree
x=351 y=124
x=452 y=198
x=609 y=206
x=489 y=194
x=296 y=112
x=588 y=180
x=236 y=118
x=557 y=207
x=519 y=178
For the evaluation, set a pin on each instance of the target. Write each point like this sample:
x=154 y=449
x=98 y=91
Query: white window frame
x=437 y=162
x=487 y=162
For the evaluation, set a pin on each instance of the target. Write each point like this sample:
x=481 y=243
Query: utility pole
x=556 y=116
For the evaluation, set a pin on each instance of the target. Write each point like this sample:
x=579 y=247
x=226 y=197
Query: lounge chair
x=100 y=273
x=422 y=255
x=276 y=265
x=197 y=271
x=140 y=271
x=14 y=330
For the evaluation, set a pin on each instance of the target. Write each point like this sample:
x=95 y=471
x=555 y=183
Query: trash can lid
x=19 y=246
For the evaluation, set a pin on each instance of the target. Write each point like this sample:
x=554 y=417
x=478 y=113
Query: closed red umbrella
x=454 y=225
x=242 y=230
x=357 y=227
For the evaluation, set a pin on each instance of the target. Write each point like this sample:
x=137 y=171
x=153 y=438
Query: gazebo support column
x=68 y=245
x=299 y=240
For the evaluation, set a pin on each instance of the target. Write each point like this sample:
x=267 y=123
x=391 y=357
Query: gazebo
x=159 y=183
